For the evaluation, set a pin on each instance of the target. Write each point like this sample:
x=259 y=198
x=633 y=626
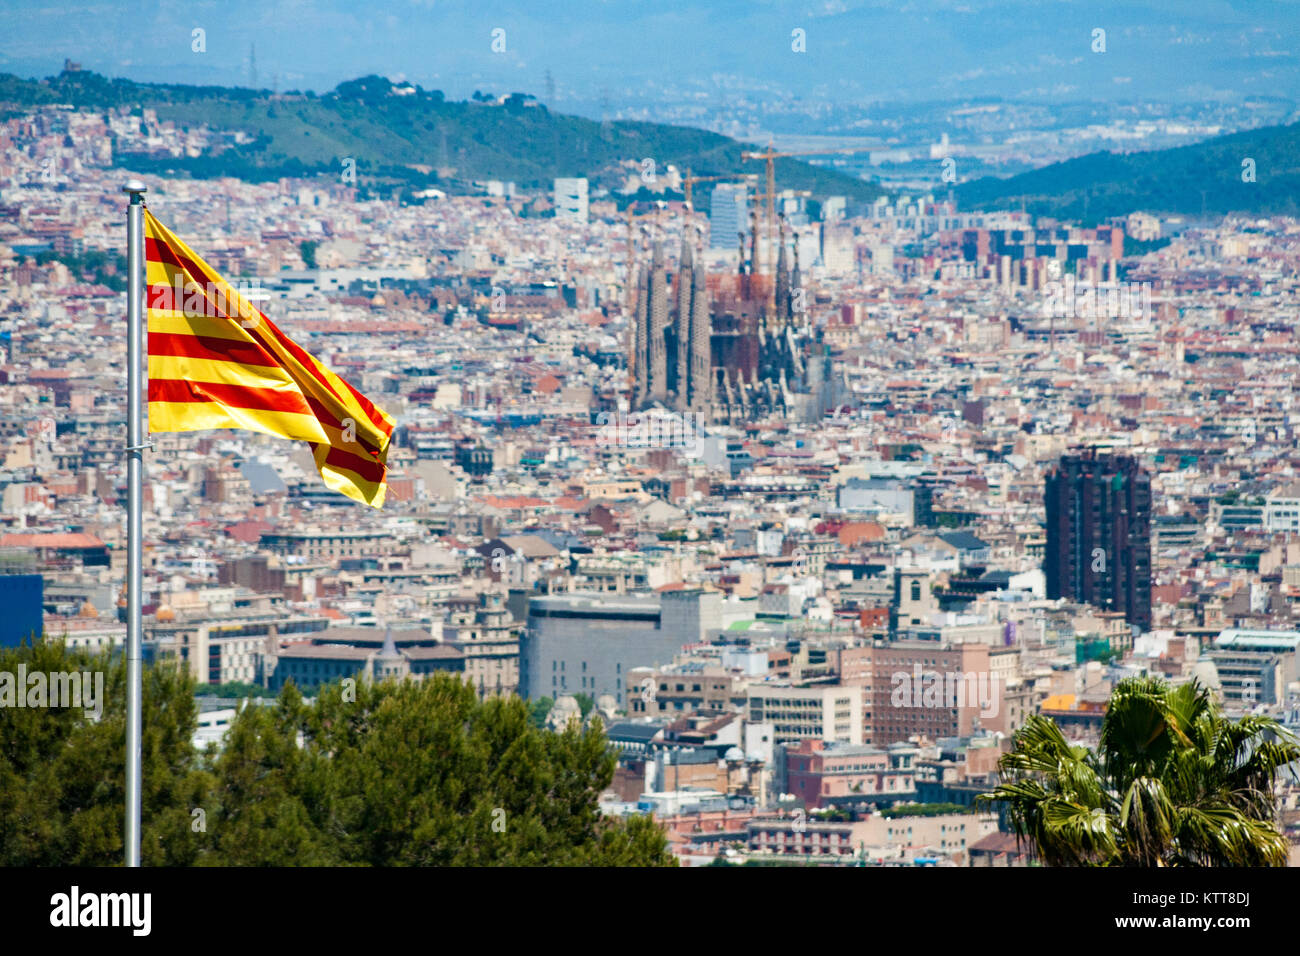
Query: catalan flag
x=215 y=361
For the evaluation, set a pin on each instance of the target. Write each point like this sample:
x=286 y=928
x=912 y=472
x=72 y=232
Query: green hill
x=1183 y=180
x=388 y=130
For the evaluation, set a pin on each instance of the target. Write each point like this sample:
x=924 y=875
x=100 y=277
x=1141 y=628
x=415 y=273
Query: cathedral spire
x=782 y=279
x=796 y=281
x=682 y=358
x=658 y=314
x=702 y=384
x=753 y=253
x=641 y=367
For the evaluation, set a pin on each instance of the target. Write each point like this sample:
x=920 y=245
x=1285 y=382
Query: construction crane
x=770 y=155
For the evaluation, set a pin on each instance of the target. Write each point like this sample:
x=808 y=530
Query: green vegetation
x=389 y=135
x=831 y=815
x=1172 y=783
x=307 y=249
x=231 y=689
x=1140 y=247
x=100 y=268
x=585 y=703
x=63 y=776
x=417 y=774
x=925 y=810
x=538 y=710
x=1206 y=175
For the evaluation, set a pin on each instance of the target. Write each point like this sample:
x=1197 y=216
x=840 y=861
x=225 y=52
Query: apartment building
x=822 y=774
x=829 y=713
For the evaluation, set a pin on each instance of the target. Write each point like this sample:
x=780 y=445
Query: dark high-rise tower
x=1099 y=533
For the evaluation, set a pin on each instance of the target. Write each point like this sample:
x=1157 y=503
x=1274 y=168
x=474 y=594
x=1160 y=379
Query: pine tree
x=62 y=772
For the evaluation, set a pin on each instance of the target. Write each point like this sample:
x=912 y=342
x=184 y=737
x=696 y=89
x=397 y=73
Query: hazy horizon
x=638 y=53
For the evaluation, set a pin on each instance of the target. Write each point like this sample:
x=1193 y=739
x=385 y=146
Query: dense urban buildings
x=812 y=534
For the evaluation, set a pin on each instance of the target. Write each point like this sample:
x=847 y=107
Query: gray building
x=728 y=215
x=571 y=199
x=585 y=643
x=1255 y=667
x=1248 y=678
x=878 y=494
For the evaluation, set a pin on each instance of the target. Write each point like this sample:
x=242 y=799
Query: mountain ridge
x=1209 y=176
x=389 y=129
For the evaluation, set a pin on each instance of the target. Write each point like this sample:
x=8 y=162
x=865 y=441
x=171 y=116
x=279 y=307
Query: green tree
x=307 y=249
x=538 y=710
x=229 y=689
x=416 y=774
x=63 y=773
x=1172 y=783
x=258 y=813
x=419 y=774
x=585 y=703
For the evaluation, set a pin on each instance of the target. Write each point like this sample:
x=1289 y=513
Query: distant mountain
x=389 y=129
x=1206 y=175
x=634 y=54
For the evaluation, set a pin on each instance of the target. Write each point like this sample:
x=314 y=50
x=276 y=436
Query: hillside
x=387 y=133
x=1183 y=180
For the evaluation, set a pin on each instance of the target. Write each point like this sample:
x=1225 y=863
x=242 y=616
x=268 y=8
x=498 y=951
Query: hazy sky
x=855 y=49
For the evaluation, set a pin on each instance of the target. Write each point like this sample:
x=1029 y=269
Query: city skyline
x=794 y=452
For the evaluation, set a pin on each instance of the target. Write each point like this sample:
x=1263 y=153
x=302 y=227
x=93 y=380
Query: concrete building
x=903 y=838
x=571 y=199
x=488 y=637
x=829 y=713
x=1099 y=533
x=683 y=689
x=369 y=653
x=1255 y=667
x=822 y=774
x=588 y=643
x=930 y=688
x=728 y=216
x=878 y=494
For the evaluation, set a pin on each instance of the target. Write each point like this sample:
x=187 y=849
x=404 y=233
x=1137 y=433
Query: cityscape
x=840 y=490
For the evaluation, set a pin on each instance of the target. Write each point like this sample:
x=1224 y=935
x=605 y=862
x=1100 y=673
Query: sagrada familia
x=730 y=349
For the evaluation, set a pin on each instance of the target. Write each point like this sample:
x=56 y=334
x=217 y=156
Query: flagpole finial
x=135 y=188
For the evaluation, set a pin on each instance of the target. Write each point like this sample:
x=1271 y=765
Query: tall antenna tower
x=252 y=65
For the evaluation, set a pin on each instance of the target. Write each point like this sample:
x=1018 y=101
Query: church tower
x=658 y=391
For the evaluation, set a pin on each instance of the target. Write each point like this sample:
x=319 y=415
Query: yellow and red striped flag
x=215 y=361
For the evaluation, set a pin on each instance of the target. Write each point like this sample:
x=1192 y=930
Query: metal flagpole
x=134 y=539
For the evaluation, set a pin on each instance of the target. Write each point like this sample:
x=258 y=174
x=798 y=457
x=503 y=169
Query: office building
x=727 y=215
x=587 y=643
x=571 y=199
x=1099 y=533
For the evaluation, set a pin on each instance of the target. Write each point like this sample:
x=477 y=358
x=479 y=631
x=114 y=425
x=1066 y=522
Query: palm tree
x=1173 y=782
